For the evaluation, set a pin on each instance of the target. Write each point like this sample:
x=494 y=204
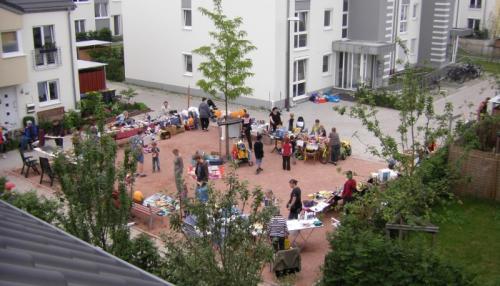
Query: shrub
x=72 y=119
x=379 y=97
x=365 y=257
x=104 y=34
x=113 y=56
x=43 y=208
x=82 y=36
x=28 y=118
x=143 y=253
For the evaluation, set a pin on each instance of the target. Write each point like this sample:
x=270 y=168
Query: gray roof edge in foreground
x=40 y=6
x=99 y=250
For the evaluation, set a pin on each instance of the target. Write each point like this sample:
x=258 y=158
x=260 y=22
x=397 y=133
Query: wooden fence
x=480 y=171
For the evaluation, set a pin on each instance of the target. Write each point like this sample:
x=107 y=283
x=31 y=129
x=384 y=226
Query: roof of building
x=85 y=65
x=91 y=43
x=34 y=6
x=33 y=252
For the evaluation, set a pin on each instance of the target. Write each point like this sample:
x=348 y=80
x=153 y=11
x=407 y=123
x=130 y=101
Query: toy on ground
x=241 y=154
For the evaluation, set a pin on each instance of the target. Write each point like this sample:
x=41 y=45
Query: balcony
x=46 y=58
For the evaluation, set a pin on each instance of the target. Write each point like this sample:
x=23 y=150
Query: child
x=290 y=122
x=269 y=198
x=286 y=152
x=258 y=148
x=156 y=157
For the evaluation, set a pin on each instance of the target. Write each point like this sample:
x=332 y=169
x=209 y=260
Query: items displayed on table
x=165 y=203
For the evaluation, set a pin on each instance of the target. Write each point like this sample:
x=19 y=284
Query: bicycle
x=324 y=153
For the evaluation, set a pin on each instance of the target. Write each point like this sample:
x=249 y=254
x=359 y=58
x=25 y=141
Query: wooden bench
x=148 y=211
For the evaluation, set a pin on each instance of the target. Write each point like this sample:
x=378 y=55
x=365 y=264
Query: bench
x=148 y=211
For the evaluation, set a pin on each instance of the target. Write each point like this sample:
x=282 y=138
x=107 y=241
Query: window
x=326 y=63
x=101 y=9
x=413 y=46
x=46 y=52
x=300 y=30
x=186 y=14
x=117 y=25
x=79 y=26
x=473 y=24
x=345 y=18
x=299 y=77
x=188 y=64
x=327 y=21
x=415 y=11
x=476 y=4
x=403 y=17
x=48 y=92
x=10 y=43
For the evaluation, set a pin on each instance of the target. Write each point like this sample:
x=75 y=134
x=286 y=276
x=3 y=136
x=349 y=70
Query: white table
x=45 y=153
x=299 y=226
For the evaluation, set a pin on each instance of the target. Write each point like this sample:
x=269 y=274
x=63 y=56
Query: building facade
x=303 y=46
x=37 y=66
x=476 y=15
x=94 y=15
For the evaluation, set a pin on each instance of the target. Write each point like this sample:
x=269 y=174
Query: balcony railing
x=46 y=58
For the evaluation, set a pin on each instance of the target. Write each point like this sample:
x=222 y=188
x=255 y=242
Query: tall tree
x=98 y=205
x=227 y=249
x=227 y=66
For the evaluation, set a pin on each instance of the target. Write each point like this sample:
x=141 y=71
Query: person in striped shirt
x=277 y=230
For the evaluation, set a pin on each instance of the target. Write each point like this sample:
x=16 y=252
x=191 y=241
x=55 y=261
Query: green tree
x=227 y=66
x=143 y=253
x=91 y=184
x=226 y=249
x=45 y=209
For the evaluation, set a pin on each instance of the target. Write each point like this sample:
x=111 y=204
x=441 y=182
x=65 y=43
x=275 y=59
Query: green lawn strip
x=471 y=237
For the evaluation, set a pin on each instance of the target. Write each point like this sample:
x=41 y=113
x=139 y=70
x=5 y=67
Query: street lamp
x=289 y=20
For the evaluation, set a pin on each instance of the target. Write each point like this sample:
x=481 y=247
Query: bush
x=72 y=119
x=143 y=253
x=113 y=56
x=104 y=34
x=379 y=97
x=479 y=135
x=82 y=36
x=28 y=118
x=365 y=257
x=43 y=208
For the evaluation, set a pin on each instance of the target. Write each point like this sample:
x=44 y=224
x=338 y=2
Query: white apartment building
x=37 y=61
x=94 y=15
x=331 y=43
x=475 y=14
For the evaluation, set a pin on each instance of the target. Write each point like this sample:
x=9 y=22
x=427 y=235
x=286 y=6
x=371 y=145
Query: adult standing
x=286 y=153
x=204 y=112
x=137 y=147
x=277 y=230
x=247 y=128
x=178 y=172
x=483 y=109
x=201 y=172
x=275 y=119
x=334 y=142
x=295 y=202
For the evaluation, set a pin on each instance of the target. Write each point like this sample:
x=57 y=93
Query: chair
x=28 y=162
x=46 y=169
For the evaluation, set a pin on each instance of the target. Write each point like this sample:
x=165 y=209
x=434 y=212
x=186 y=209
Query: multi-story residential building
x=476 y=14
x=303 y=46
x=94 y=15
x=38 y=69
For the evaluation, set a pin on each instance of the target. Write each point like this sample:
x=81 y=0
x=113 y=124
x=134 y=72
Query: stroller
x=241 y=154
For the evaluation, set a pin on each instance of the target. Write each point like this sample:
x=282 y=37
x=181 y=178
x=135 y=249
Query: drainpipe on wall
x=395 y=26
x=287 y=88
x=71 y=47
x=457 y=12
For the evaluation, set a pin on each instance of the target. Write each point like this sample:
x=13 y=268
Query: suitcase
x=287 y=261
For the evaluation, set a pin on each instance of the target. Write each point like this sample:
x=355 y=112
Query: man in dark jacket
x=334 y=142
x=201 y=172
x=204 y=111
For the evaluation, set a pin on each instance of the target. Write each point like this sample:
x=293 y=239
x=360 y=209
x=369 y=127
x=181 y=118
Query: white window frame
x=102 y=4
x=184 y=18
x=296 y=81
x=345 y=13
x=120 y=27
x=413 y=46
x=475 y=4
x=45 y=56
x=78 y=26
x=297 y=34
x=19 y=51
x=49 y=101
x=328 y=64
x=415 y=11
x=476 y=24
x=330 y=13
x=403 y=16
x=185 y=57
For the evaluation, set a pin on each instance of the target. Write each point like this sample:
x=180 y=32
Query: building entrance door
x=8 y=107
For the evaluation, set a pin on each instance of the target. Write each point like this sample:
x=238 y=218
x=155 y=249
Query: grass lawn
x=490 y=67
x=471 y=237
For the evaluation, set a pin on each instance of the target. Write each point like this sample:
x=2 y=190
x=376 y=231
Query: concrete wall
x=480 y=48
x=488 y=8
x=12 y=69
x=368 y=20
x=63 y=73
x=85 y=11
x=159 y=28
